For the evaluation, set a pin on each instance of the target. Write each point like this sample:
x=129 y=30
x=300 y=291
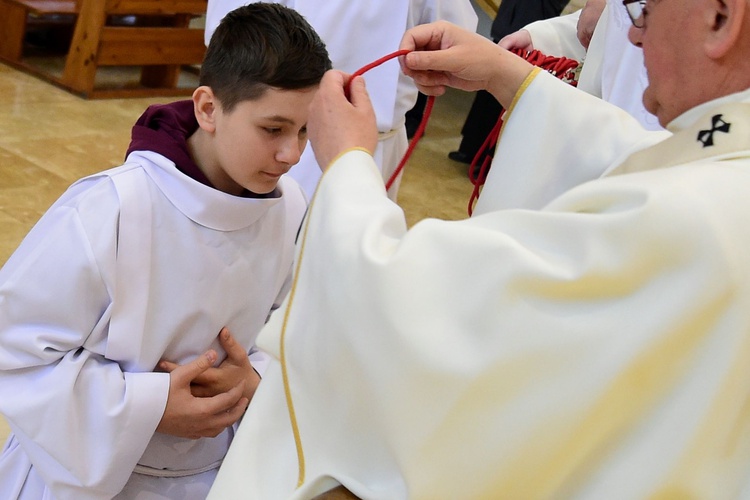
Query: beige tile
x=4 y=430
x=433 y=185
x=19 y=89
x=70 y=159
x=13 y=231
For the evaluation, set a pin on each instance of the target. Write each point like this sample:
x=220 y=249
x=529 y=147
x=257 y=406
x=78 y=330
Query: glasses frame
x=635 y=10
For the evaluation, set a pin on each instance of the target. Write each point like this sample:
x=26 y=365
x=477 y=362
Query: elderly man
x=613 y=68
x=586 y=339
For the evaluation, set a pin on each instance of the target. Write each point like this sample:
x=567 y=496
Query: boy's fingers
x=234 y=350
x=189 y=371
x=223 y=402
x=167 y=366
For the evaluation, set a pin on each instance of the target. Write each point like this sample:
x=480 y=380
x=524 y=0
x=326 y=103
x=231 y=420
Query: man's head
x=260 y=72
x=694 y=51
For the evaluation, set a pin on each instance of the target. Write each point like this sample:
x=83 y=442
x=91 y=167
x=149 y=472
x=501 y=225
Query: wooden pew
x=160 y=50
x=154 y=35
x=15 y=17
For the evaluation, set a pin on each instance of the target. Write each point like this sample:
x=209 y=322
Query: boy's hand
x=233 y=371
x=191 y=417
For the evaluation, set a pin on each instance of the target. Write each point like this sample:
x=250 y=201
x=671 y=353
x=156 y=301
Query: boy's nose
x=291 y=152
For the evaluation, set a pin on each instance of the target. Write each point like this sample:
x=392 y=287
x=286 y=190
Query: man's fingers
x=335 y=77
x=520 y=39
x=358 y=93
x=430 y=36
x=427 y=61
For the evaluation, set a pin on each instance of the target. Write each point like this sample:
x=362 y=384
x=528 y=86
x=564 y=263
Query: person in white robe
x=356 y=34
x=612 y=68
x=591 y=343
x=145 y=264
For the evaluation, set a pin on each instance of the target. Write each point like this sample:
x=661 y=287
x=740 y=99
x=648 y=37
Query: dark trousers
x=485 y=110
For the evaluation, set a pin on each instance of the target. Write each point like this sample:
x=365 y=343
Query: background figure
x=613 y=68
x=356 y=34
x=512 y=15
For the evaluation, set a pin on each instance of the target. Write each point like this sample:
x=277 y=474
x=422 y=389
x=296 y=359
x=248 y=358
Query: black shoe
x=460 y=157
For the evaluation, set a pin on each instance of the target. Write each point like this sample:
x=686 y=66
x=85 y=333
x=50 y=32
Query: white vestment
x=613 y=68
x=356 y=34
x=597 y=347
x=134 y=265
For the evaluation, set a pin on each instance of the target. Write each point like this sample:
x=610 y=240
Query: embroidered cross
x=717 y=125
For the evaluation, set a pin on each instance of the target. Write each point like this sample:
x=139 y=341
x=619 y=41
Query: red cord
x=561 y=67
x=380 y=61
x=422 y=124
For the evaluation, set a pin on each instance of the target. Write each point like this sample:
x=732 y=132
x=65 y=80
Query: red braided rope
x=422 y=124
x=561 y=67
x=413 y=143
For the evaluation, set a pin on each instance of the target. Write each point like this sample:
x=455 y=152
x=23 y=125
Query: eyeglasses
x=635 y=10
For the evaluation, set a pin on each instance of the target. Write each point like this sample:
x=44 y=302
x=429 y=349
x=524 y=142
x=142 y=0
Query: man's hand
x=587 y=20
x=337 y=124
x=444 y=55
x=519 y=40
x=233 y=371
x=191 y=417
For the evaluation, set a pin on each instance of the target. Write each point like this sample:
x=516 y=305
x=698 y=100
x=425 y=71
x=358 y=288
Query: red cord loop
x=422 y=124
x=563 y=68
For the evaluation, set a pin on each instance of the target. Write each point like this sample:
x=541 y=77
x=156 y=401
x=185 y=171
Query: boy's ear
x=727 y=18
x=205 y=108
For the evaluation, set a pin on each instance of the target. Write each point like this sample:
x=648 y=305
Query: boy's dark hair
x=258 y=46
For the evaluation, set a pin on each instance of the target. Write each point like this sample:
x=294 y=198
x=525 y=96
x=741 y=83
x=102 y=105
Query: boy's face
x=259 y=141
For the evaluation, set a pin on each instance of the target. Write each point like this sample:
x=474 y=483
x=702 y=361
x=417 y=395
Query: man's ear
x=205 y=107
x=726 y=19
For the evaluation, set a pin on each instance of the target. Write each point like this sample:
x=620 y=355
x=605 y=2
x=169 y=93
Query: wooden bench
x=15 y=16
x=157 y=38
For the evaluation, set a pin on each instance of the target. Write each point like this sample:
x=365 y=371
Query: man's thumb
x=358 y=92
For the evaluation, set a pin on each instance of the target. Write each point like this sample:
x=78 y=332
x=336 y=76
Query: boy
x=148 y=262
x=357 y=33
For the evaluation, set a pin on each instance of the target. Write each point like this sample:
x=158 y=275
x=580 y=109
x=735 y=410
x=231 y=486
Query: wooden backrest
x=46 y=7
x=97 y=43
x=156 y=7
